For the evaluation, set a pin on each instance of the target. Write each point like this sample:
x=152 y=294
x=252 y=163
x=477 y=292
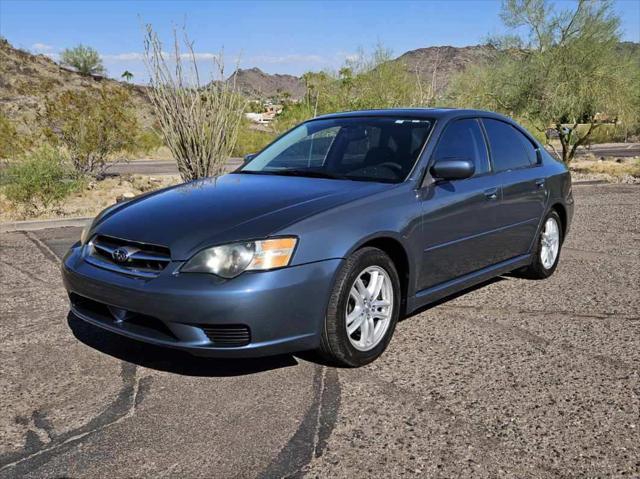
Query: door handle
x=491 y=193
x=540 y=183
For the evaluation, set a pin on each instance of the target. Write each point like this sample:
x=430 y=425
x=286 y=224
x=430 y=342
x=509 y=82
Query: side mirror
x=453 y=169
x=249 y=157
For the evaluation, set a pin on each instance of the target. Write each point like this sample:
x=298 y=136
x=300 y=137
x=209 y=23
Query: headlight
x=229 y=260
x=84 y=236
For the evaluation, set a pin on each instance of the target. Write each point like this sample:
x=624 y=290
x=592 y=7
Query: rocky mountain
x=437 y=65
x=432 y=64
x=27 y=80
x=255 y=83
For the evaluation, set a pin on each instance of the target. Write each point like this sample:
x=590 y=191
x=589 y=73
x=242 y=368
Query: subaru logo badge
x=120 y=255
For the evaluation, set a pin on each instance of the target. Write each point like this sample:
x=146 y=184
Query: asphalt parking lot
x=513 y=379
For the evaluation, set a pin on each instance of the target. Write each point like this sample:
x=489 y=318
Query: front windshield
x=367 y=149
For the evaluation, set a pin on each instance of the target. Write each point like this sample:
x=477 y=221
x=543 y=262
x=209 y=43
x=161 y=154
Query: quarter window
x=510 y=149
x=463 y=139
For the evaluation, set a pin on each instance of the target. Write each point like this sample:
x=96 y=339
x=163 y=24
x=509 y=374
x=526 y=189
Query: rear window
x=510 y=149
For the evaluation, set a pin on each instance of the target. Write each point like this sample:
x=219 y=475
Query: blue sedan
x=327 y=237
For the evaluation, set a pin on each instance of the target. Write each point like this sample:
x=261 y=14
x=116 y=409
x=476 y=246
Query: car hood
x=233 y=207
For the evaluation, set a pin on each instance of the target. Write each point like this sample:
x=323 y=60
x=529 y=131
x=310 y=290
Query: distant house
x=267 y=116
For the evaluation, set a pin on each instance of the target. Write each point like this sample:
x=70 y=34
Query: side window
x=529 y=147
x=464 y=139
x=510 y=149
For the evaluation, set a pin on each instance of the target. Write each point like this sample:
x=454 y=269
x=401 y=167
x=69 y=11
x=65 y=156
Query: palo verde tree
x=95 y=128
x=85 y=60
x=559 y=70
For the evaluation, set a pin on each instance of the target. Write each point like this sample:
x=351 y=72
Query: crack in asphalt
x=539 y=343
x=310 y=439
x=28 y=274
x=490 y=445
x=589 y=254
x=42 y=246
x=600 y=315
x=36 y=453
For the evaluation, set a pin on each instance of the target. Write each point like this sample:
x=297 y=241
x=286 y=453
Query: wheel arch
x=562 y=213
x=397 y=251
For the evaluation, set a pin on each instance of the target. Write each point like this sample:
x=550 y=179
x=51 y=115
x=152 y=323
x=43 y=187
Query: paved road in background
x=168 y=167
x=513 y=379
x=623 y=150
x=158 y=167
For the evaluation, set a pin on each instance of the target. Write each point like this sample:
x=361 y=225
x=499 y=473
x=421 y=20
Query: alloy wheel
x=550 y=243
x=369 y=308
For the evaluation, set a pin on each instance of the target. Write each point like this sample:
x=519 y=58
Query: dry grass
x=627 y=170
x=95 y=198
x=607 y=166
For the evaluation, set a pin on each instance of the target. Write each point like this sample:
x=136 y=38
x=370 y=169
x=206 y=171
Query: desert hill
x=27 y=80
x=255 y=83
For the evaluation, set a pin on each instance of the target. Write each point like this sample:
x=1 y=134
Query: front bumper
x=283 y=309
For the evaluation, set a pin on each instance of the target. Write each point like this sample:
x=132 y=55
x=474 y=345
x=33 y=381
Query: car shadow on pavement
x=167 y=359
x=453 y=296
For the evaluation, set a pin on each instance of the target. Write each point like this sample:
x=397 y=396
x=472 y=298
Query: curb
x=42 y=224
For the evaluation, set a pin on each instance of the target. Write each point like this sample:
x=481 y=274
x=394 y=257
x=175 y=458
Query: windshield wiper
x=251 y=172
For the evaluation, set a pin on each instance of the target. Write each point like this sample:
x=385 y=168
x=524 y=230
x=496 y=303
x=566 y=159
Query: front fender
x=338 y=232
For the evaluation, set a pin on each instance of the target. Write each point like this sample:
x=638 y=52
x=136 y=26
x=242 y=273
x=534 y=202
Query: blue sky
x=276 y=36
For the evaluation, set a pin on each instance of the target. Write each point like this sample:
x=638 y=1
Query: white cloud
x=124 y=57
x=136 y=56
x=41 y=47
x=200 y=56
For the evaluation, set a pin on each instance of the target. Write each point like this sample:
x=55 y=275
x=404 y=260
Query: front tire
x=547 y=249
x=363 y=309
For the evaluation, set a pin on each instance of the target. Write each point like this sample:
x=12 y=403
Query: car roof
x=427 y=113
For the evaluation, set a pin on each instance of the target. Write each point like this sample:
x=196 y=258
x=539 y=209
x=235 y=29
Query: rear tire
x=547 y=249
x=366 y=299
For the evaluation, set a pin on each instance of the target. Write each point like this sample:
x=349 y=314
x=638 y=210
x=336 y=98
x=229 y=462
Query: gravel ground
x=512 y=379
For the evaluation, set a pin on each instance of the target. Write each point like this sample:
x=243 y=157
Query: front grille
x=128 y=257
x=227 y=335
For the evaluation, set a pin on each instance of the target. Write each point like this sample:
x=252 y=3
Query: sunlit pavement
x=513 y=379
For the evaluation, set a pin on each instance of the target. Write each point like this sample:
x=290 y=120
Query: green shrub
x=94 y=128
x=605 y=133
x=148 y=141
x=11 y=144
x=39 y=180
x=84 y=59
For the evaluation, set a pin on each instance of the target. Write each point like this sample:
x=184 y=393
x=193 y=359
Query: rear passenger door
x=517 y=168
